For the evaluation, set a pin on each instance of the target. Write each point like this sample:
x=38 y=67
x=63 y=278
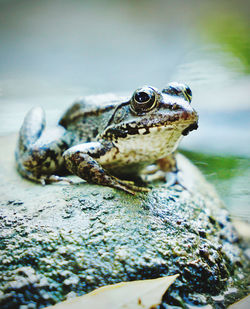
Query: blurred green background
x=52 y=51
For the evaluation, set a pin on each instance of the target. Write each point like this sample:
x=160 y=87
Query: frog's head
x=151 y=114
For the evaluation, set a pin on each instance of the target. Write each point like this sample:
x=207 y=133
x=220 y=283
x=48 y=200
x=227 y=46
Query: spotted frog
x=108 y=140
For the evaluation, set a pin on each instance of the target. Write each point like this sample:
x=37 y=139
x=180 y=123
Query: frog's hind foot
x=165 y=170
x=42 y=179
x=55 y=178
x=152 y=173
x=129 y=186
x=174 y=178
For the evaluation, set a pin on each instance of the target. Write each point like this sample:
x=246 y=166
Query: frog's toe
x=47 y=179
x=42 y=181
x=131 y=187
x=141 y=189
x=125 y=189
x=174 y=178
x=157 y=176
x=55 y=178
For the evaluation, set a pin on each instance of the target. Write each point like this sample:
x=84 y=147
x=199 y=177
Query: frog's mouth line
x=191 y=127
x=123 y=132
x=143 y=131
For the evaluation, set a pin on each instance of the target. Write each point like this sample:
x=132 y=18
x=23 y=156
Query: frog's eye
x=187 y=93
x=178 y=89
x=143 y=100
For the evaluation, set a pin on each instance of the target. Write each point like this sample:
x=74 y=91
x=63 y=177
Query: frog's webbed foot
x=55 y=178
x=82 y=160
x=174 y=178
x=42 y=179
x=165 y=170
x=152 y=173
x=173 y=175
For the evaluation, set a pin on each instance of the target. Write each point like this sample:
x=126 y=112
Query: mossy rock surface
x=60 y=240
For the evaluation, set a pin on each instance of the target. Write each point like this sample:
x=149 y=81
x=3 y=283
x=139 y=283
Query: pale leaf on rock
x=139 y=294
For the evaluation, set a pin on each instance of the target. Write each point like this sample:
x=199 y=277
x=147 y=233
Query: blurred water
x=54 y=51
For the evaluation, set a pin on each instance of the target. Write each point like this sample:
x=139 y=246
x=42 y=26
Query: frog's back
x=88 y=116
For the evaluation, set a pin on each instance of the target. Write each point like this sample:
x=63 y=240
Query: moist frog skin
x=107 y=140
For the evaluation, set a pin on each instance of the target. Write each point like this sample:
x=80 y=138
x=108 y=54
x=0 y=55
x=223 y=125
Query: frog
x=108 y=140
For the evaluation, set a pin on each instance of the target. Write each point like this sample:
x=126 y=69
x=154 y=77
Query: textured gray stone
x=61 y=240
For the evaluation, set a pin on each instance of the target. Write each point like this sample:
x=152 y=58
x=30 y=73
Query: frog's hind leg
x=82 y=160
x=173 y=175
x=39 y=153
x=40 y=178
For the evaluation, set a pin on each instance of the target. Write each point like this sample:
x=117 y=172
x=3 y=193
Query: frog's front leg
x=82 y=160
x=39 y=152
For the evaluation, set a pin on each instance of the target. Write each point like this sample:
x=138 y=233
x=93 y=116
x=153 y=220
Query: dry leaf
x=242 y=304
x=125 y=295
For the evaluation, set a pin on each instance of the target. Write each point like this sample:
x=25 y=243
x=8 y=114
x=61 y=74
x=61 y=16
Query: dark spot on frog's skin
x=95 y=132
x=171 y=106
x=116 y=132
x=52 y=155
x=147 y=131
x=85 y=171
x=191 y=127
x=91 y=162
x=212 y=220
x=202 y=233
x=47 y=164
x=131 y=131
x=99 y=154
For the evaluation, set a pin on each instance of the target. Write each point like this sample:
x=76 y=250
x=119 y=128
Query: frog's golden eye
x=143 y=100
x=188 y=93
x=178 y=89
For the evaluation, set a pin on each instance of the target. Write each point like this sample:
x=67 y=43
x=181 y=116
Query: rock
x=61 y=240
